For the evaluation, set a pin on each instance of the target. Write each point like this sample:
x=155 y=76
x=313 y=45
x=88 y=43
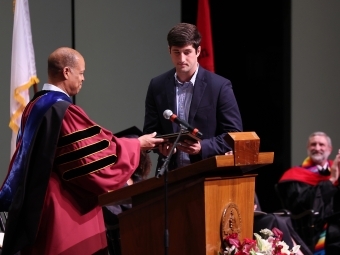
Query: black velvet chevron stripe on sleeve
x=79 y=135
x=89 y=168
x=82 y=152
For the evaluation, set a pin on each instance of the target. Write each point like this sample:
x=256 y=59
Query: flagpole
x=73 y=36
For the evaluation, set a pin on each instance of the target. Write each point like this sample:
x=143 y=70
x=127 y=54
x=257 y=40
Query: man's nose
x=182 y=57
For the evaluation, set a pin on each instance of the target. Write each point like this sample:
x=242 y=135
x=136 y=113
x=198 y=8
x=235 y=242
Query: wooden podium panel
x=220 y=193
x=145 y=224
x=197 y=198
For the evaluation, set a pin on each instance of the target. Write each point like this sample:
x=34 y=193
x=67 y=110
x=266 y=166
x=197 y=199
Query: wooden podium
x=205 y=200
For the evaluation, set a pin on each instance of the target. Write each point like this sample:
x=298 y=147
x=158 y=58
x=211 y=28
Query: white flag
x=23 y=72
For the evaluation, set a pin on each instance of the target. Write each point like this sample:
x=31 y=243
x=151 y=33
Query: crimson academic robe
x=69 y=161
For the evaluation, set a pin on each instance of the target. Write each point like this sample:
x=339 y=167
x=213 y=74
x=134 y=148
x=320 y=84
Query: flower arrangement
x=268 y=242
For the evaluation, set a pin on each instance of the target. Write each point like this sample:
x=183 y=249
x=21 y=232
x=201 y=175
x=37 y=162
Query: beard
x=318 y=158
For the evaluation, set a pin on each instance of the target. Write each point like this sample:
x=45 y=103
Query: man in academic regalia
x=313 y=185
x=62 y=163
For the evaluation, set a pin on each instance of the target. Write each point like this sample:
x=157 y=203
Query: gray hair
x=319 y=133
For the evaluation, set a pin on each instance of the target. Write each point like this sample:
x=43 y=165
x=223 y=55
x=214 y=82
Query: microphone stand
x=164 y=170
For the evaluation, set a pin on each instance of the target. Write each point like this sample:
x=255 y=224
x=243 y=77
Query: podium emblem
x=231 y=220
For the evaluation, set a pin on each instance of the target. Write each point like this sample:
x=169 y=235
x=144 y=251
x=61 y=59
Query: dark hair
x=184 y=34
x=144 y=167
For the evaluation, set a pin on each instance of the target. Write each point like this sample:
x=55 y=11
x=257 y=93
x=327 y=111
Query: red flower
x=249 y=241
x=278 y=233
x=241 y=253
x=235 y=247
x=232 y=236
x=232 y=239
x=248 y=244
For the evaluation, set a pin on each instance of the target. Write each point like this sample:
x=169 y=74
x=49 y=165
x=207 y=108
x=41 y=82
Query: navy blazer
x=213 y=110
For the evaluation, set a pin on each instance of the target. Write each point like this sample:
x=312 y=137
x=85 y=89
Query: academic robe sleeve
x=90 y=157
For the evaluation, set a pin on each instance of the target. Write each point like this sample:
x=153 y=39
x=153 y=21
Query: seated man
x=312 y=185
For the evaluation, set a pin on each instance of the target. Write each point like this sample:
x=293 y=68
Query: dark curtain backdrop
x=252 y=48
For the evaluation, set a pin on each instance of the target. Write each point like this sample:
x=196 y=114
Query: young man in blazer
x=203 y=99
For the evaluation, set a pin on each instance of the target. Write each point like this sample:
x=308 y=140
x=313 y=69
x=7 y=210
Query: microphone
x=168 y=114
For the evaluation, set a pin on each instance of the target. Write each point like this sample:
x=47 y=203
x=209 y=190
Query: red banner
x=206 y=58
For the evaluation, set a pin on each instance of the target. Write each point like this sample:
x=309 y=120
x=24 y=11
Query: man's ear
x=169 y=49
x=66 y=72
x=198 y=51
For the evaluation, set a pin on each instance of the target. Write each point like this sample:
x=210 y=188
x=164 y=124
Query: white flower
x=285 y=247
x=266 y=232
x=295 y=249
x=263 y=244
x=229 y=250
